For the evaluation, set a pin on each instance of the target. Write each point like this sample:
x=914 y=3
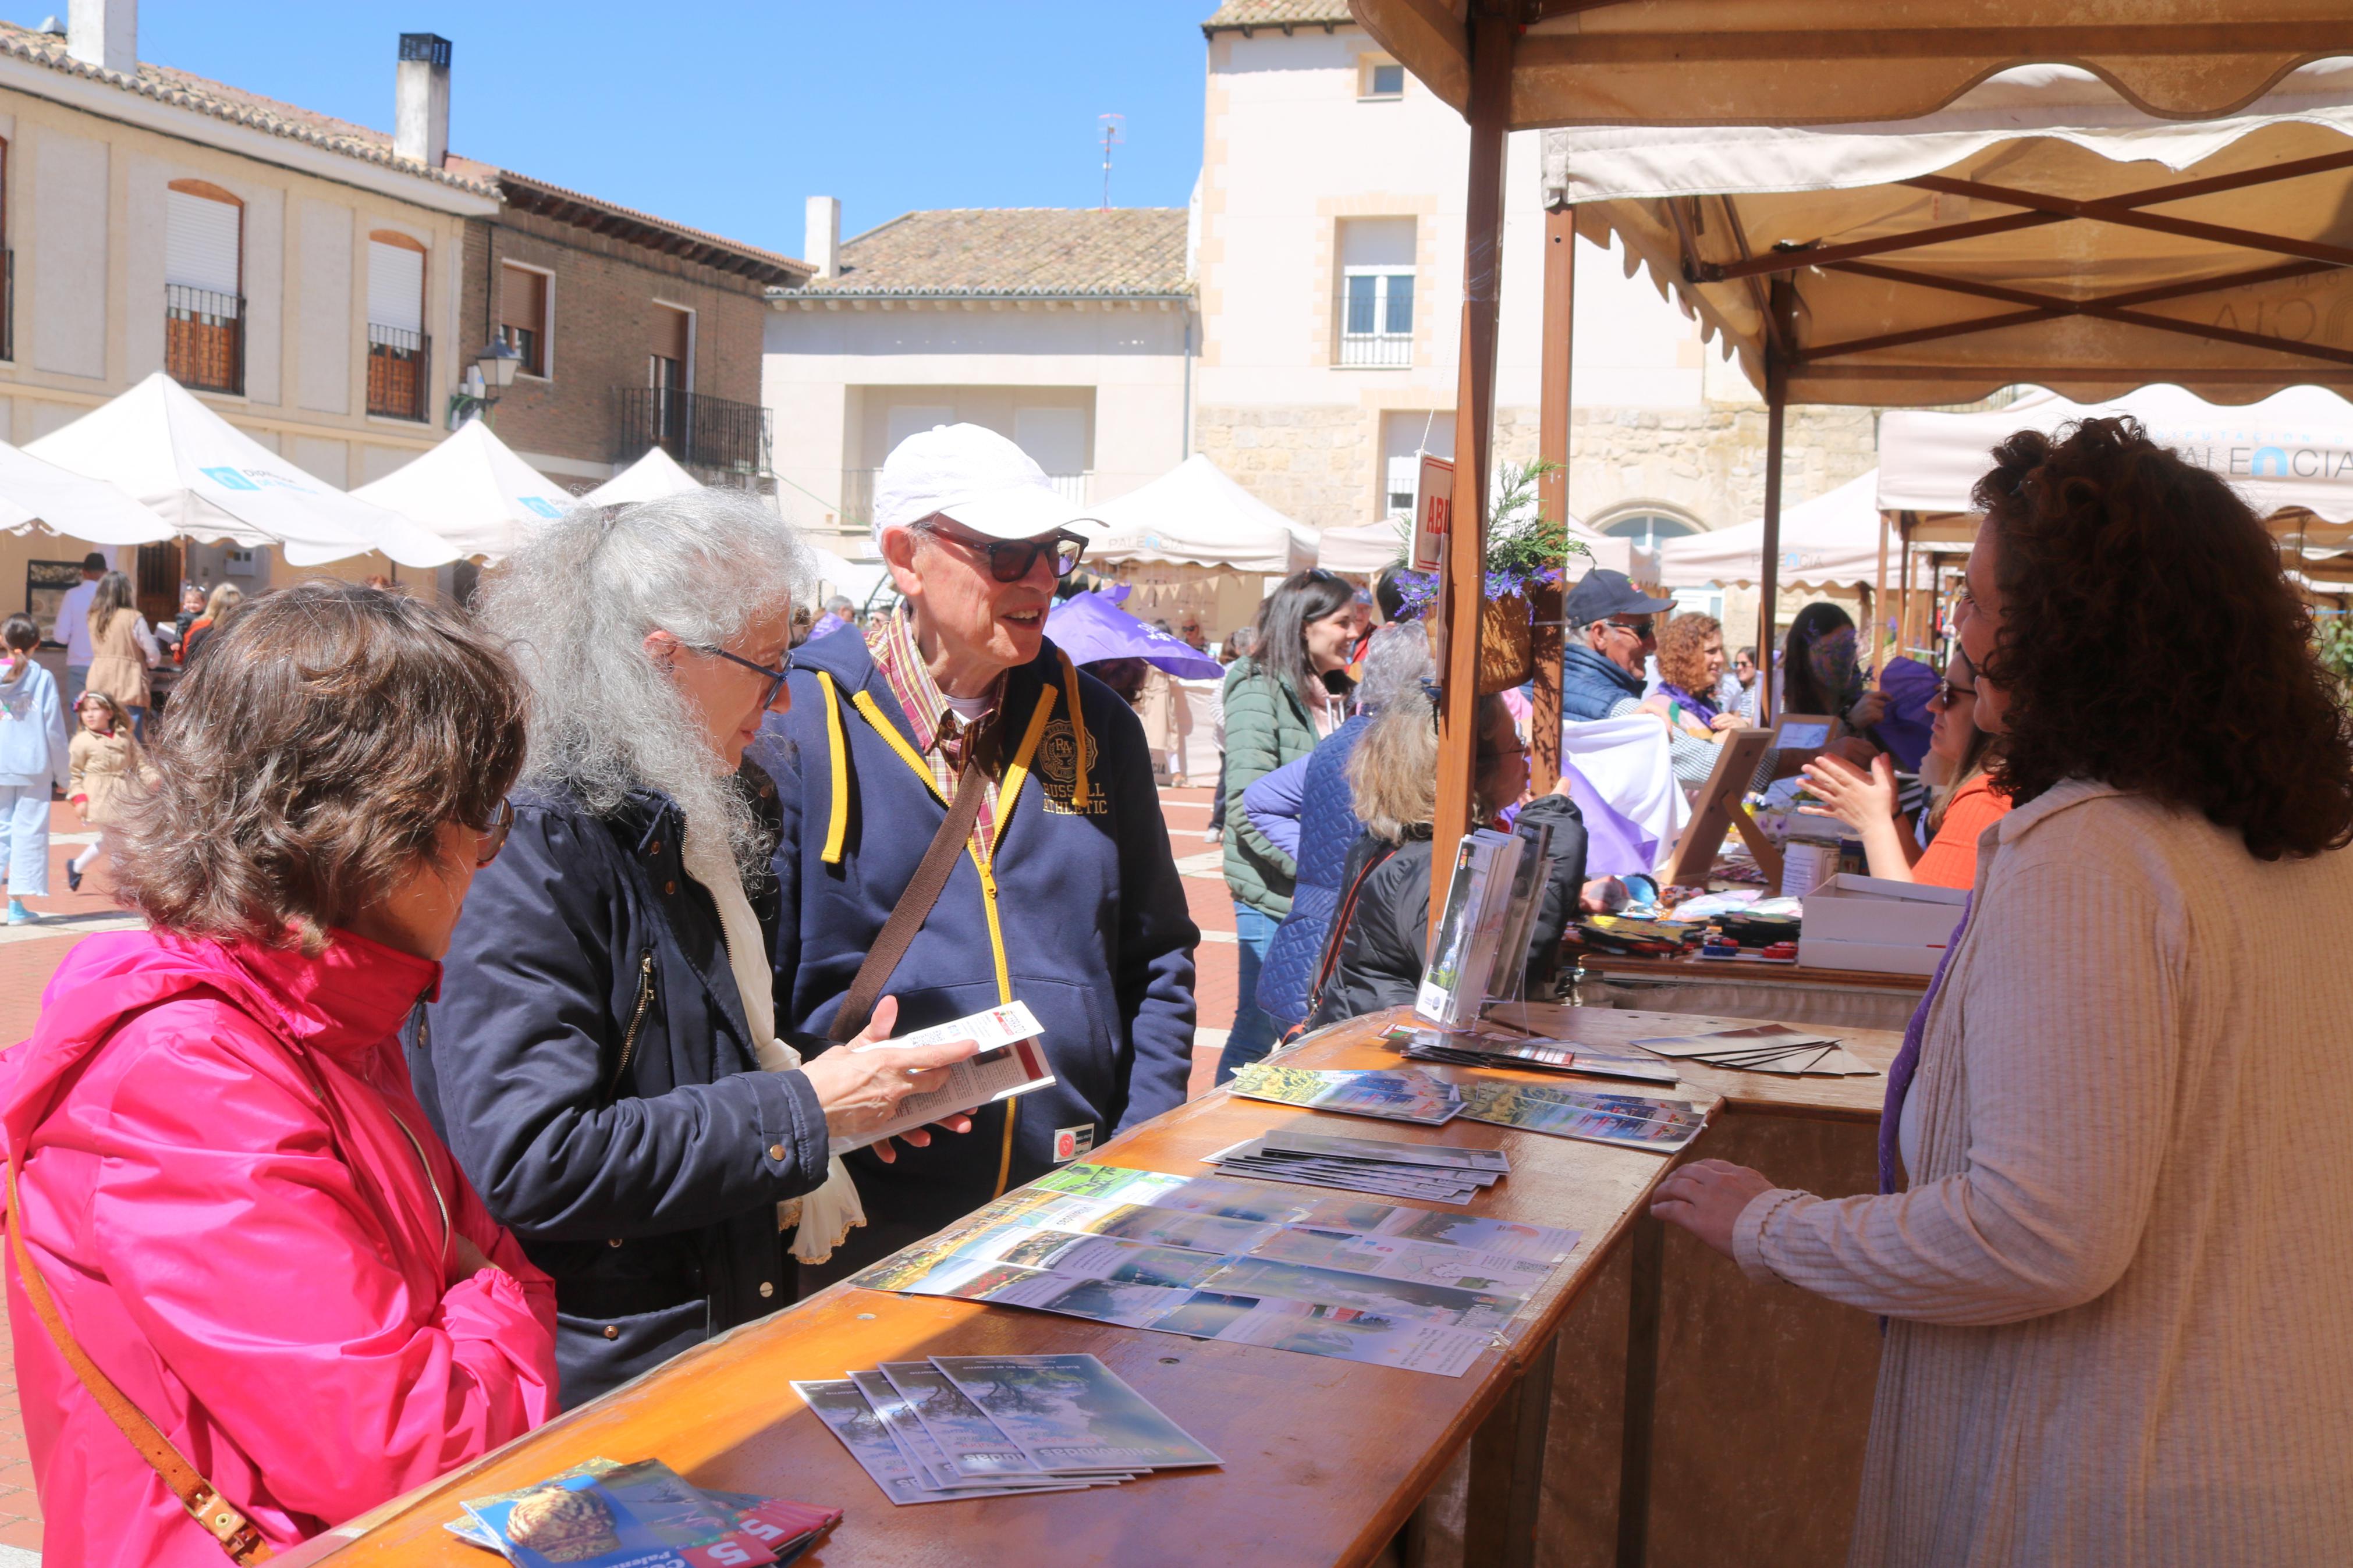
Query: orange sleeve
x=1951 y=861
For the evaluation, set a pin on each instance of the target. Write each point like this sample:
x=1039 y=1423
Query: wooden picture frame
x=1717 y=808
x=1807 y=734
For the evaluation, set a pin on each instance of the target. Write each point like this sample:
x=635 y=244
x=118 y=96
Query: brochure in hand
x=1011 y=1062
x=1049 y=1423
x=1628 y=1120
x=1406 y=1095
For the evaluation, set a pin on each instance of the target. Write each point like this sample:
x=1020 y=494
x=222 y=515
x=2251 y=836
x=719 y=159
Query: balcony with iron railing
x=717 y=434
x=203 y=339
x=858 y=492
x=399 y=372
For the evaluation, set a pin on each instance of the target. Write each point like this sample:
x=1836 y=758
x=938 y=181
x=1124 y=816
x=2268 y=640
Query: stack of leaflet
x=960 y=1426
x=1474 y=1048
x=1435 y=1171
x=1762 y=1047
x=1242 y=1262
x=602 y=1514
x=1480 y=953
x=1409 y=1095
x=1627 y=1120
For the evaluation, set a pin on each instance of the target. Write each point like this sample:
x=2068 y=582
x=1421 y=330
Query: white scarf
x=827 y=1216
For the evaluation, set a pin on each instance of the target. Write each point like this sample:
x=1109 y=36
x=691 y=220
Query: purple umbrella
x=1088 y=627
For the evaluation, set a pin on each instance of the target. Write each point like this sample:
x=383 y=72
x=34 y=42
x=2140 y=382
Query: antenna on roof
x=1111 y=124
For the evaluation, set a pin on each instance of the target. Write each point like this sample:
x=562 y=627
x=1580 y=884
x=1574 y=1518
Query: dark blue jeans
x=1254 y=1028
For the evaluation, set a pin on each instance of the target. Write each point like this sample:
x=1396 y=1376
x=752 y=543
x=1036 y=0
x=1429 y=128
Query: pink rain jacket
x=260 y=1273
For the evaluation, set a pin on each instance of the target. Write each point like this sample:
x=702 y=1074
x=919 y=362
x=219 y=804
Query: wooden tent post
x=1881 y=632
x=1777 y=346
x=1552 y=447
x=1461 y=573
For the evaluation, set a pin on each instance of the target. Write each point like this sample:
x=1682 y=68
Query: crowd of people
x=512 y=975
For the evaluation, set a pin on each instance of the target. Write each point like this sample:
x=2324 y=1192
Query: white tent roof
x=1833 y=538
x=472 y=491
x=1363 y=547
x=209 y=479
x=2038 y=189
x=2294 y=448
x=38 y=494
x=650 y=477
x=1194 y=514
x=854 y=580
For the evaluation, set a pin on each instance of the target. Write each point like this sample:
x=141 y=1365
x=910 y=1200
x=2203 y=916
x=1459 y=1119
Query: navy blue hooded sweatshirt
x=1091 y=924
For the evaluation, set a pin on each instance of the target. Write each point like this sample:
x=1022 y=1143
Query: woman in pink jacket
x=228 y=1197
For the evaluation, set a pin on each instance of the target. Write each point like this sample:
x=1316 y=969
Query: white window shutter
x=396 y=288
x=200 y=242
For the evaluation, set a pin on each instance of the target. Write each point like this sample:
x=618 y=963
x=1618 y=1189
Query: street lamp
x=493 y=372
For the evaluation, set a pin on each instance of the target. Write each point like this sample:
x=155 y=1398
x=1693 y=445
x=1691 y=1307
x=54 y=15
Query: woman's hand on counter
x=1706 y=1198
x=859 y=1091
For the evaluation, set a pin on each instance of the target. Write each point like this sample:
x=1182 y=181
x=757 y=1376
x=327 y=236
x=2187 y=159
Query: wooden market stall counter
x=1821 y=998
x=1327 y=1460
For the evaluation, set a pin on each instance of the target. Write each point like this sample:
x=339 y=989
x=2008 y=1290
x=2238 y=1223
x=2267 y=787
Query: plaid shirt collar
x=939 y=729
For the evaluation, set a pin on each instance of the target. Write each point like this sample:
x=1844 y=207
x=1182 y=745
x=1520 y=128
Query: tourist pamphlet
x=955 y=1427
x=1763 y=1048
x=1457 y=981
x=603 y=1514
x=1011 y=1061
x=1407 y=1094
x=1360 y=1165
x=1628 y=1120
x=1243 y=1261
x=1523 y=899
x=1472 y=1049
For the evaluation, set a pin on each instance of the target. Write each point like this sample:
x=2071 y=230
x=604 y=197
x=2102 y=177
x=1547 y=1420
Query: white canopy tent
x=34 y=494
x=2293 y=449
x=207 y=480
x=1367 y=548
x=650 y=477
x=1194 y=515
x=854 y=580
x=473 y=492
x=1833 y=538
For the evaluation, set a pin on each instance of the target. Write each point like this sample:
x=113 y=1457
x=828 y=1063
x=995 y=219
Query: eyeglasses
x=494 y=834
x=1641 y=625
x=1947 y=691
x=776 y=677
x=1010 y=560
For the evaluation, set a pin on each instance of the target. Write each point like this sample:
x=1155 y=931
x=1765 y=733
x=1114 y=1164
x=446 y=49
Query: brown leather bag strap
x=915 y=905
x=238 y=1535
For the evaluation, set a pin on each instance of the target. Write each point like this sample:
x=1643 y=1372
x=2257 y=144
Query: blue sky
x=727 y=114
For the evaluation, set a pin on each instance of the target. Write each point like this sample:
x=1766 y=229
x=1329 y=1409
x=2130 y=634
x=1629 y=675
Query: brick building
x=633 y=332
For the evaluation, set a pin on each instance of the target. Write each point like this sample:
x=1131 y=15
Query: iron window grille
x=399 y=372
x=203 y=339
x=716 y=434
x=1376 y=318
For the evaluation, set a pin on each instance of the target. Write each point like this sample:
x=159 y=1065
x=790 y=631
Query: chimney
x=104 y=33
x=823 y=244
x=420 y=100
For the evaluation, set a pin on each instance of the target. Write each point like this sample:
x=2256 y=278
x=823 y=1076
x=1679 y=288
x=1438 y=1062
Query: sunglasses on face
x=493 y=835
x=776 y=676
x=1641 y=625
x=1947 y=691
x=1010 y=560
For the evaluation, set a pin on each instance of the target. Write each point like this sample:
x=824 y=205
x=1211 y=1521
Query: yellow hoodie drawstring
x=837 y=819
x=1078 y=728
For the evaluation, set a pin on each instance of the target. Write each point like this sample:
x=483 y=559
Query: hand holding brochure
x=1011 y=1062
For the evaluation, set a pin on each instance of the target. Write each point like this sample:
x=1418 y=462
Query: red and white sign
x=1433 y=511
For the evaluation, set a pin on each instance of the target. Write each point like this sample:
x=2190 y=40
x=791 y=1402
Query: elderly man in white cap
x=952 y=768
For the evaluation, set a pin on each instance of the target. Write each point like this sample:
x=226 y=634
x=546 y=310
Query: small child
x=106 y=757
x=33 y=760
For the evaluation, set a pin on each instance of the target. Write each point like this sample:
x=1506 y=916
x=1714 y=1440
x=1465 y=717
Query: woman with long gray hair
x=603 y=1056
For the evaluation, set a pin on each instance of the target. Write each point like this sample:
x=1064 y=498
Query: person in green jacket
x=1280 y=700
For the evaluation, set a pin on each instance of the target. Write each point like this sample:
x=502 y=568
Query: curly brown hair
x=2150 y=641
x=307 y=762
x=1680 y=660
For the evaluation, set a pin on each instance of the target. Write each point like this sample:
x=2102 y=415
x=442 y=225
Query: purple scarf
x=1703 y=707
x=1908 y=1060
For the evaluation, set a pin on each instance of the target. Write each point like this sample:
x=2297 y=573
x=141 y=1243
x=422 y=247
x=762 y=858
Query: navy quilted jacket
x=1328 y=826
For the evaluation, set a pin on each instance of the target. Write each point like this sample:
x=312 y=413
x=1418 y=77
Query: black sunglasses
x=1947 y=691
x=1010 y=560
x=1641 y=625
x=776 y=677
x=494 y=834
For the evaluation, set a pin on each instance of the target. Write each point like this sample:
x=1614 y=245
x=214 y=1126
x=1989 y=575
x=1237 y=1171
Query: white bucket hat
x=974 y=477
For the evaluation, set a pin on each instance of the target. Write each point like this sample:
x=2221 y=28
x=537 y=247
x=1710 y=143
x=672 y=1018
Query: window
x=1378 y=77
x=1056 y=440
x=397 y=378
x=1376 y=276
x=1404 y=436
x=667 y=374
x=524 y=315
x=204 y=326
x=1646 y=528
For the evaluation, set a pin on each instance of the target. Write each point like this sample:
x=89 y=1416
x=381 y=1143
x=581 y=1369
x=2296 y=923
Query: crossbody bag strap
x=1337 y=935
x=238 y=1535
x=915 y=905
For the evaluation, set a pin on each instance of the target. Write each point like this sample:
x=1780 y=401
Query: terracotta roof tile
x=1284 y=13
x=1015 y=252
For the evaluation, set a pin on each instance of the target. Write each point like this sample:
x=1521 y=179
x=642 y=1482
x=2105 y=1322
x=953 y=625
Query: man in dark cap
x=1611 y=629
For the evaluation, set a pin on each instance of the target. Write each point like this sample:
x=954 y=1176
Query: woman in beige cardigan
x=124 y=650
x=2121 y=1313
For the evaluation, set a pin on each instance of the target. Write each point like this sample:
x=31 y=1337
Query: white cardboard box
x=1868 y=922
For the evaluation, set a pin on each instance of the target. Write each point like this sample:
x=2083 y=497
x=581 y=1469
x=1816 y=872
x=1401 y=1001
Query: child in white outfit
x=34 y=759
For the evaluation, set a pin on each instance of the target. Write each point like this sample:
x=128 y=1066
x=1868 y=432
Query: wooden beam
x=1797 y=259
x=1461 y=574
x=1776 y=408
x=2126 y=214
x=1553 y=352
